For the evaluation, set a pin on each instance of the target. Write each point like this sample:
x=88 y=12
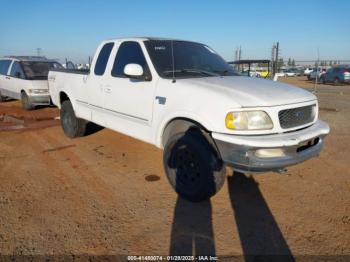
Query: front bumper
x=240 y=152
x=40 y=99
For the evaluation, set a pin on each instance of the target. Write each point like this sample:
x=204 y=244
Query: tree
x=280 y=63
x=293 y=63
x=330 y=63
x=289 y=63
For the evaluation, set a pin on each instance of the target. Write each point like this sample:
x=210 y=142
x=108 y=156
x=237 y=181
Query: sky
x=73 y=28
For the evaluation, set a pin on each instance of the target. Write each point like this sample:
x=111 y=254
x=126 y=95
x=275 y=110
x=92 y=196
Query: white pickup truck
x=183 y=97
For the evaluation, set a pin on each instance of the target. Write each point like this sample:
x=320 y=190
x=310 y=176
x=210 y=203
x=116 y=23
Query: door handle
x=108 y=90
x=8 y=78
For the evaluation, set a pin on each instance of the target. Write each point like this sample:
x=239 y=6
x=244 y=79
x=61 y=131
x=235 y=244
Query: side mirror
x=133 y=71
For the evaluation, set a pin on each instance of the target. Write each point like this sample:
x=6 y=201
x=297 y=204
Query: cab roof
x=142 y=38
x=145 y=38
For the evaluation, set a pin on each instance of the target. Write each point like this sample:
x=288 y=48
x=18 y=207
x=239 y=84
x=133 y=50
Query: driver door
x=129 y=101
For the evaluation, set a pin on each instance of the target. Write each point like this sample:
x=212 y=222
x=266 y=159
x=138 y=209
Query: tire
x=193 y=167
x=2 y=99
x=323 y=80
x=308 y=77
x=25 y=101
x=72 y=126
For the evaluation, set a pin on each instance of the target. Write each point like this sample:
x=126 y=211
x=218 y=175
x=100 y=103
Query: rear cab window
x=102 y=59
x=4 y=66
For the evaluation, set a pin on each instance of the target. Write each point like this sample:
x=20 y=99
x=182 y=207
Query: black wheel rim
x=187 y=167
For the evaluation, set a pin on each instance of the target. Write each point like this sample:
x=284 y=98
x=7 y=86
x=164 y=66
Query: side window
x=4 y=66
x=128 y=52
x=16 y=70
x=102 y=59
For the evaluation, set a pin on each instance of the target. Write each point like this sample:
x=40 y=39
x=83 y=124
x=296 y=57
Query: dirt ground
x=106 y=194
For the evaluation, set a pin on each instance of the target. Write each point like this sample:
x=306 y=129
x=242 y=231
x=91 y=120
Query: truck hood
x=253 y=92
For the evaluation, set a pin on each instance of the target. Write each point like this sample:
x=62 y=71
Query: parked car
x=25 y=78
x=290 y=72
x=197 y=109
x=262 y=73
x=280 y=74
x=338 y=74
x=316 y=72
x=307 y=71
x=251 y=73
x=299 y=71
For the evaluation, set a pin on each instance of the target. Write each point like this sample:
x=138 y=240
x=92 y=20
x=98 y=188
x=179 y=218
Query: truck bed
x=70 y=81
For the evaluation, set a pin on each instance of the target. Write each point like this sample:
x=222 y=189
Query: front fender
x=189 y=116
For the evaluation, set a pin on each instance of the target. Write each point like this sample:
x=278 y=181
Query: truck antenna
x=173 y=60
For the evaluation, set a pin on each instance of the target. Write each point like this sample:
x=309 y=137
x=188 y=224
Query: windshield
x=38 y=70
x=190 y=59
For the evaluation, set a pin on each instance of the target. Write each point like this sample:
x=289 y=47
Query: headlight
x=248 y=120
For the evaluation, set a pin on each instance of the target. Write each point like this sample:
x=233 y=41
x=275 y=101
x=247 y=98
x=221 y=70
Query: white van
x=25 y=78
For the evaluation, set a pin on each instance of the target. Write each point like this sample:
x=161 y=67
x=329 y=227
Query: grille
x=296 y=116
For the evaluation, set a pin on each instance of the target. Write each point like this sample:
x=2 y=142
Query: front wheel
x=193 y=166
x=71 y=125
x=2 y=99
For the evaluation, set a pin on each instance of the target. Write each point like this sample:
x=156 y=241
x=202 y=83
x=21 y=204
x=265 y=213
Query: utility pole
x=239 y=57
x=38 y=51
x=317 y=66
x=273 y=55
x=277 y=55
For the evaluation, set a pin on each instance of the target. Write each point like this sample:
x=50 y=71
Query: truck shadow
x=260 y=237
x=92 y=128
x=192 y=230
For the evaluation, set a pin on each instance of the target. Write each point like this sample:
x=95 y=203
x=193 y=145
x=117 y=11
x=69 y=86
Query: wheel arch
x=63 y=96
x=178 y=125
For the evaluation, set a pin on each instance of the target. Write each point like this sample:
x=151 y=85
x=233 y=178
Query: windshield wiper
x=191 y=70
x=222 y=72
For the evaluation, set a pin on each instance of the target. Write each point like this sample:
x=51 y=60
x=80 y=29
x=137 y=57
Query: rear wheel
x=25 y=101
x=71 y=125
x=192 y=165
